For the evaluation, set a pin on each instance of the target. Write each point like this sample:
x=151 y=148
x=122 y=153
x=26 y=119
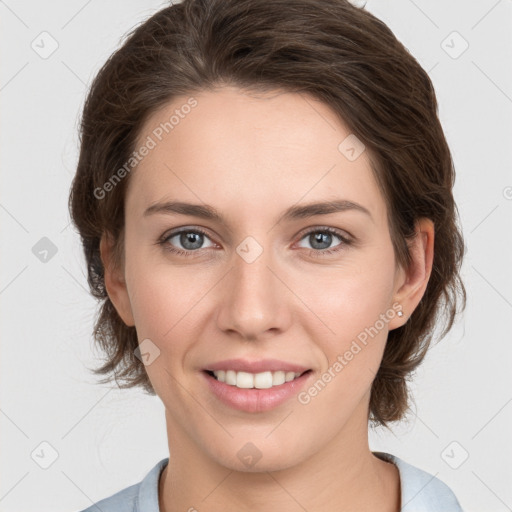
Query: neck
x=344 y=475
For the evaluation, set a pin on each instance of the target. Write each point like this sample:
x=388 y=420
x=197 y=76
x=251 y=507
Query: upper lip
x=262 y=365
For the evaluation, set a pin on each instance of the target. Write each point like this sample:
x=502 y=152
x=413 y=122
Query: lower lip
x=255 y=400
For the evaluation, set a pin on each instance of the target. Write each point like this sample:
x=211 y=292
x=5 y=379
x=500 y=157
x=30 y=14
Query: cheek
x=163 y=313
x=352 y=355
x=353 y=303
x=168 y=304
x=351 y=297
x=162 y=301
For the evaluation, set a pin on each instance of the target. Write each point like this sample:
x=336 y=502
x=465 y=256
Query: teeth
x=230 y=378
x=290 y=376
x=245 y=380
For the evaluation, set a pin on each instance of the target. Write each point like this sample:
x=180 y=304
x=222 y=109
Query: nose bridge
x=254 y=300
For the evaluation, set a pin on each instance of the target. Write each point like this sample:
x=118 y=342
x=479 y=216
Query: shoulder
x=421 y=491
x=124 y=500
x=140 y=497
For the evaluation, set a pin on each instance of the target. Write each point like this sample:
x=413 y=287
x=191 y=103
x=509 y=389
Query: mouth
x=258 y=385
x=261 y=380
x=255 y=392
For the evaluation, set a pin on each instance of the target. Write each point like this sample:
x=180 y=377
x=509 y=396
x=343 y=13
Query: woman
x=258 y=192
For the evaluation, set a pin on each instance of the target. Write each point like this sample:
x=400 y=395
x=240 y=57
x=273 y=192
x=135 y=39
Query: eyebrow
x=205 y=211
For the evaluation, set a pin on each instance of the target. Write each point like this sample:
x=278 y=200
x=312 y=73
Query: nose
x=255 y=301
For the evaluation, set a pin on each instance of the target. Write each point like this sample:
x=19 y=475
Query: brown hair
x=337 y=53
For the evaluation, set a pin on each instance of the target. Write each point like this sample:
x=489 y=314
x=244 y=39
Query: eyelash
x=318 y=253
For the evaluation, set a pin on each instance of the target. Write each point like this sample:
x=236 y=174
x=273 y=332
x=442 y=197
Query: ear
x=412 y=282
x=114 y=280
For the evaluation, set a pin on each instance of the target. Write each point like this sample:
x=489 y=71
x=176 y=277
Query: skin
x=251 y=157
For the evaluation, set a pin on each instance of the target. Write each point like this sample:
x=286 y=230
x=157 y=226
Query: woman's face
x=264 y=287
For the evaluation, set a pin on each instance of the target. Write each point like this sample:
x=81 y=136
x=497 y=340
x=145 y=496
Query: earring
x=400 y=313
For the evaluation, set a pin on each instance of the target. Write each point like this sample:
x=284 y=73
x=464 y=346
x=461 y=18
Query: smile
x=255 y=392
x=262 y=380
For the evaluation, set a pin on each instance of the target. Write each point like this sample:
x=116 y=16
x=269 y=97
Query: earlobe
x=413 y=287
x=115 y=282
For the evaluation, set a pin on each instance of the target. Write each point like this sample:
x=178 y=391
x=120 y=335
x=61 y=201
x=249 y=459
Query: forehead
x=251 y=151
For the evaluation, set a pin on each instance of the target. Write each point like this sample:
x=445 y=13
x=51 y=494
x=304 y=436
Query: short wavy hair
x=332 y=50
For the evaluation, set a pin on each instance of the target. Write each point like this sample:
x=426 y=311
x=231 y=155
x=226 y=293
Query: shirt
x=420 y=491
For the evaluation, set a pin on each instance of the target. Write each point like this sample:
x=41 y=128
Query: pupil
x=321 y=237
x=187 y=240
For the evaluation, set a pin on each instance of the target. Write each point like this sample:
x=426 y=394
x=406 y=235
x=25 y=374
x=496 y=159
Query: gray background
x=106 y=439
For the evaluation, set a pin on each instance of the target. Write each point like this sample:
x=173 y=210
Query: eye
x=190 y=239
x=321 y=238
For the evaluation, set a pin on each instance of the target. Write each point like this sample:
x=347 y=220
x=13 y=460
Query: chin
x=259 y=456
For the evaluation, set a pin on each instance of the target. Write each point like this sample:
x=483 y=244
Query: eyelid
x=345 y=237
x=306 y=231
x=343 y=234
x=185 y=229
